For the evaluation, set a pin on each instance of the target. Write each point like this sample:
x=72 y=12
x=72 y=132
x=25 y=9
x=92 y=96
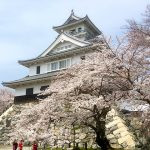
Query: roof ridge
x=71 y=17
x=80 y=19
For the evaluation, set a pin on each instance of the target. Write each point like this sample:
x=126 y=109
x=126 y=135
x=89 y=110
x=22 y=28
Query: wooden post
x=69 y=145
x=85 y=145
x=77 y=146
x=74 y=137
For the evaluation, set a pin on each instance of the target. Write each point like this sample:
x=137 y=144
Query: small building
x=76 y=38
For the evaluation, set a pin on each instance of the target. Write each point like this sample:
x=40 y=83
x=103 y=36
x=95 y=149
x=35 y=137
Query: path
x=10 y=148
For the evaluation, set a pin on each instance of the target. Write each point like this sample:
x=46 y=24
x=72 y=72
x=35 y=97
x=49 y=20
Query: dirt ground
x=10 y=148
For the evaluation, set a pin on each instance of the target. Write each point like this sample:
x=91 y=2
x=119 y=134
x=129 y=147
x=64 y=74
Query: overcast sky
x=26 y=26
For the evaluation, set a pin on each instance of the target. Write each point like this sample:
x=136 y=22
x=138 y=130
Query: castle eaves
x=58 y=55
x=30 y=79
x=85 y=19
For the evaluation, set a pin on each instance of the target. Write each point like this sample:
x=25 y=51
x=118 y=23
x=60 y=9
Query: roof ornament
x=72 y=12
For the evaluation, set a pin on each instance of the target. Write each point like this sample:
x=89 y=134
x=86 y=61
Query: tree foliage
x=84 y=93
x=139 y=32
x=6 y=98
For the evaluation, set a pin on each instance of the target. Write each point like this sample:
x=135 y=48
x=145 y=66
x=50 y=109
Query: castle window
x=62 y=64
x=79 y=29
x=29 y=91
x=68 y=46
x=58 y=65
x=82 y=57
x=68 y=62
x=73 y=31
x=38 y=70
x=43 y=88
x=54 y=66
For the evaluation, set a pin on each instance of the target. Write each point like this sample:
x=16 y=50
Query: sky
x=26 y=26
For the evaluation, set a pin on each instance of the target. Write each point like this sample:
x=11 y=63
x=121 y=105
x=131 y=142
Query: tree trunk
x=102 y=142
x=100 y=119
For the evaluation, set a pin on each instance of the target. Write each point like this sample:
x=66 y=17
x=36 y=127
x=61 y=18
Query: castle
x=76 y=38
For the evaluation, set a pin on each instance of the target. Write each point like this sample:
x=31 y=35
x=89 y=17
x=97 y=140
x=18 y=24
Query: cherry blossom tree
x=6 y=98
x=138 y=35
x=84 y=93
x=139 y=32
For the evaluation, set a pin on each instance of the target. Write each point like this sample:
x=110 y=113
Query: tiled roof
x=29 y=79
x=86 y=19
x=64 y=36
x=70 y=21
x=52 y=56
x=68 y=24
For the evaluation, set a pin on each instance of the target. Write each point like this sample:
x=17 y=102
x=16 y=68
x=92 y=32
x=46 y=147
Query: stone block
x=124 y=133
x=116 y=146
x=113 y=128
x=121 y=124
x=128 y=139
x=78 y=131
x=1 y=123
x=113 y=141
x=118 y=135
x=82 y=136
x=124 y=144
x=110 y=136
x=94 y=146
x=116 y=117
x=77 y=140
x=107 y=132
x=122 y=129
x=109 y=119
x=111 y=124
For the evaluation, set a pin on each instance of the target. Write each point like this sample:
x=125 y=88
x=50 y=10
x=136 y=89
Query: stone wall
x=6 y=124
x=8 y=121
x=69 y=135
x=118 y=133
x=59 y=134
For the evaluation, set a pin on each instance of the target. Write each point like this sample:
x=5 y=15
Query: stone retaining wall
x=117 y=132
x=69 y=135
x=8 y=121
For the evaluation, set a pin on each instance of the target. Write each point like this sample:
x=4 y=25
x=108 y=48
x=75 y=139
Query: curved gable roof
x=64 y=37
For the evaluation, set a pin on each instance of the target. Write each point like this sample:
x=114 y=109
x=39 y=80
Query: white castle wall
x=81 y=25
x=20 y=91
x=43 y=67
